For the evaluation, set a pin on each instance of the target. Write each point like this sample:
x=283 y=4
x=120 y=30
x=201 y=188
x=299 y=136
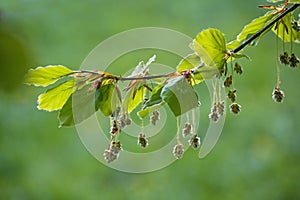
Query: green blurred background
x=257 y=156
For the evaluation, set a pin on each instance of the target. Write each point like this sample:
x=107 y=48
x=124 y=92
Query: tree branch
x=256 y=35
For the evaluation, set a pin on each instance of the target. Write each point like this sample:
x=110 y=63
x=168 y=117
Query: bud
x=178 y=151
x=278 y=95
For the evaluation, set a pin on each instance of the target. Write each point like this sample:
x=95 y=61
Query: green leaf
x=211 y=47
x=54 y=98
x=80 y=105
x=200 y=71
x=155 y=101
x=239 y=55
x=179 y=95
x=146 y=111
x=83 y=103
x=189 y=62
x=285 y=29
x=274 y=1
x=133 y=98
x=294 y=1
x=233 y=44
x=254 y=26
x=107 y=99
x=44 y=76
x=155 y=97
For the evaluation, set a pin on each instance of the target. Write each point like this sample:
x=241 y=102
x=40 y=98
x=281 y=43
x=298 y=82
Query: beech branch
x=256 y=35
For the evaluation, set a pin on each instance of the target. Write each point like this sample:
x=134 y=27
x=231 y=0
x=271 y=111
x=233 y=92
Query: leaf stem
x=256 y=35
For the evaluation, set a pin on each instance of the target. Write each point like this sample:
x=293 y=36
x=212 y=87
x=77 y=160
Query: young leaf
x=233 y=44
x=154 y=101
x=211 y=47
x=179 y=95
x=294 y=1
x=254 y=26
x=133 y=98
x=44 y=76
x=143 y=113
x=81 y=103
x=189 y=62
x=285 y=29
x=107 y=99
x=142 y=68
x=54 y=98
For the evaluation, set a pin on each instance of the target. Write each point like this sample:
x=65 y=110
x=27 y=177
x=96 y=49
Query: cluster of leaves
x=90 y=91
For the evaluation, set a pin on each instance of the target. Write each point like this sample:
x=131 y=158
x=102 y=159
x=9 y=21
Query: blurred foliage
x=257 y=156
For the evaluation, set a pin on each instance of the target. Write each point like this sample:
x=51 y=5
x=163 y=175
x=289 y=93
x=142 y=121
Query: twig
x=256 y=35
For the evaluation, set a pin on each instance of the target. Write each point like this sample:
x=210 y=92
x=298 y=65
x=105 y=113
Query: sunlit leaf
x=179 y=95
x=133 y=98
x=233 y=44
x=240 y=55
x=200 y=71
x=56 y=97
x=107 y=99
x=211 y=47
x=285 y=29
x=154 y=101
x=189 y=62
x=82 y=103
x=44 y=76
x=146 y=111
x=254 y=26
x=294 y=1
x=274 y=1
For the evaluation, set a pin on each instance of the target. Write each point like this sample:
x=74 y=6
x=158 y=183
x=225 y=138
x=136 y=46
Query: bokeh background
x=257 y=156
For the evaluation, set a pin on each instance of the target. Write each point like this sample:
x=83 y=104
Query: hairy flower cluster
x=292 y=60
x=124 y=121
x=194 y=141
x=142 y=140
x=232 y=95
x=217 y=110
x=112 y=152
x=154 y=117
x=238 y=68
x=235 y=108
x=278 y=95
x=114 y=128
x=178 y=151
x=228 y=81
x=188 y=129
